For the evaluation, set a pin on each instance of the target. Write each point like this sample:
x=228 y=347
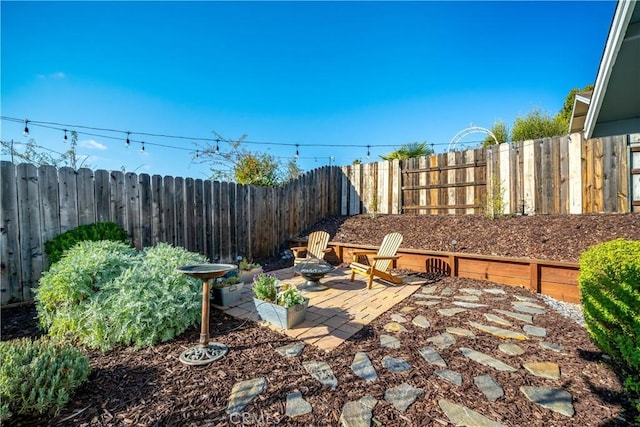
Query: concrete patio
x=334 y=314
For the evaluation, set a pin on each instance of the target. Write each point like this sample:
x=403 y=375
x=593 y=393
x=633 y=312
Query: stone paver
x=485 y=359
x=527 y=309
x=398 y=318
x=460 y=331
x=489 y=387
x=518 y=316
x=402 y=396
x=524 y=299
x=296 y=405
x=432 y=356
x=443 y=340
x=551 y=346
x=448 y=312
x=396 y=365
x=552 y=398
x=243 y=392
x=394 y=327
x=429 y=289
x=322 y=372
x=389 y=341
x=362 y=367
x=511 y=349
x=497 y=319
x=471 y=291
x=462 y=416
x=427 y=303
x=453 y=377
x=421 y=321
x=534 y=331
x=495 y=291
x=547 y=370
x=428 y=296
x=469 y=304
x=499 y=332
x=447 y=292
x=468 y=298
x=358 y=413
x=291 y=350
x=407 y=309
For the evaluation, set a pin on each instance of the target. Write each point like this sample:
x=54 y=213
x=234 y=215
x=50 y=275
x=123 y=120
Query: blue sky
x=332 y=77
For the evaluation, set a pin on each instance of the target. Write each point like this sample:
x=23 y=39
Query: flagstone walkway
x=337 y=314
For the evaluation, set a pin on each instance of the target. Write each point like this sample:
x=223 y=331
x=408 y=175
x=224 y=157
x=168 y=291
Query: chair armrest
x=298 y=250
x=358 y=253
x=377 y=257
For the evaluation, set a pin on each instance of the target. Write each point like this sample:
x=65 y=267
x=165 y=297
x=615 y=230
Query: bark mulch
x=150 y=387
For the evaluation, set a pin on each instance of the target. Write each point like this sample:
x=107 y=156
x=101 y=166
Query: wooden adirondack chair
x=379 y=262
x=316 y=247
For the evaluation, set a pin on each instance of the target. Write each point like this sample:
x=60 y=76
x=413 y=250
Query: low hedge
x=609 y=283
x=56 y=247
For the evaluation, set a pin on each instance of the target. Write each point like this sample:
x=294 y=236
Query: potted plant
x=248 y=270
x=279 y=304
x=226 y=291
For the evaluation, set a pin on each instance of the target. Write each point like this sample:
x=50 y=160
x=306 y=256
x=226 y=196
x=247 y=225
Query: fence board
x=598 y=175
x=233 y=224
x=68 y=199
x=103 y=195
x=189 y=213
x=199 y=225
x=146 y=216
x=86 y=197
x=10 y=270
x=133 y=209
x=117 y=202
x=563 y=201
x=179 y=209
x=49 y=206
x=168 y=210
x=157 y=223
x=29 y=227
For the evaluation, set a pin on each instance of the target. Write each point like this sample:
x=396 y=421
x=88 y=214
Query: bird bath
x=312 y=270
x=205 y=352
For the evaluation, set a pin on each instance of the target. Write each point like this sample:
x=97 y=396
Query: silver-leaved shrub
x=138 y=299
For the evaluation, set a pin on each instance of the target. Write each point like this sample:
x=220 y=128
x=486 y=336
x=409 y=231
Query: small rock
x=398 y=318
x=429 y=289
x=489 y=387
x=462 y=416
x=453 y=377
x=426 y=303
x=432 y=356
x=497 y=319
x=555 y=399
x=468 y=298
x=394 y=327
x=534 y=331
x=396 y=365
x=322 y=372
x=407 y=309
x=471 y=291
x=547 y=370
x=469 y=304
x=485 y=359
x=389 y=342
x=443 y=340
x=460 y=331
x=362 y=367
x=402 y=396
x=358 y=413
x=518 y=316
x=447 y=292
x=551 y=346
x=243 y=392
x=450 y=311
x=511 y=349
x=296 y=405
x=421 y=321
x=291 y=350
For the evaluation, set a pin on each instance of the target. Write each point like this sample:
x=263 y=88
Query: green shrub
x=104 y=294
x=55 y=248
x=37 y=377
x=610 y=289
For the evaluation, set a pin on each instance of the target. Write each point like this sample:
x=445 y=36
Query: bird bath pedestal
x=205 y=352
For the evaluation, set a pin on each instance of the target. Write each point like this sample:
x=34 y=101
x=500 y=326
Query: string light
x=142 y=146
x=368 y=151
x=65 y=136
x=90 y=131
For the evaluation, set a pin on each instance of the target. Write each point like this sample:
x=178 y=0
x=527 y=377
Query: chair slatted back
x=318 y=241
x=389 y=247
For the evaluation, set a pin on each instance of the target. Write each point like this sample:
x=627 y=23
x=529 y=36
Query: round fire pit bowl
x=312 y=270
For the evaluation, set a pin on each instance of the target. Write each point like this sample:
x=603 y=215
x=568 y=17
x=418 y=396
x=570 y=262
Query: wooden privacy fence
x=217 y=219
x=561 y=175
x=547 y=176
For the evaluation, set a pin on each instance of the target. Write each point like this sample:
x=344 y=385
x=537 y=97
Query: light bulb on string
x=26 y=128
x=127 y=141
x=65 y=136
x=217 y=146
x=297 y=152
x=142 y=149
x=368 y=151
